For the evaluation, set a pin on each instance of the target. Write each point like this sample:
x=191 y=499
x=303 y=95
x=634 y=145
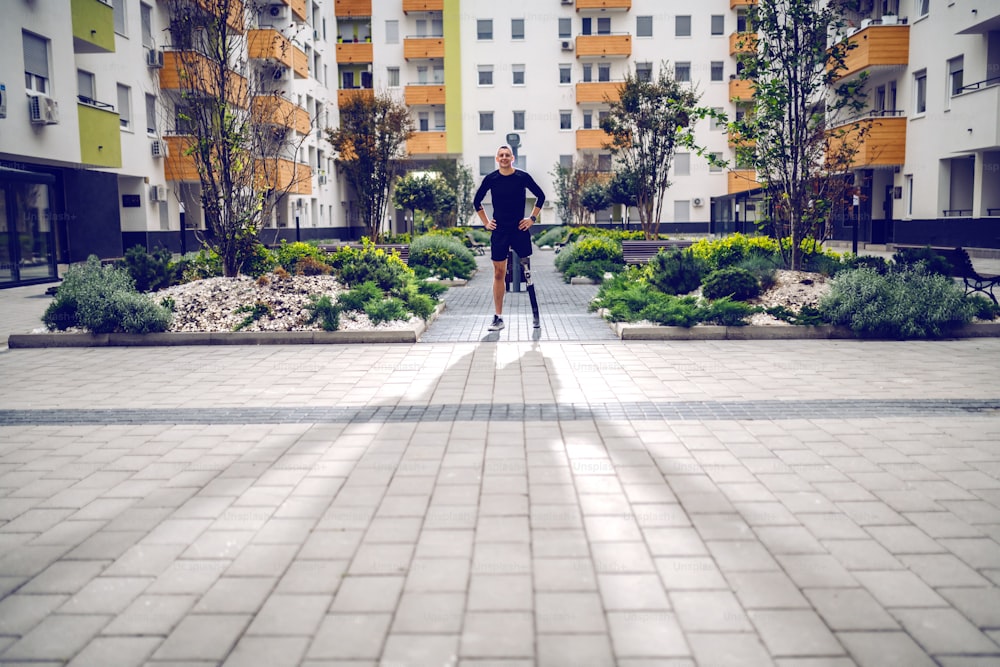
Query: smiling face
x=505 y=158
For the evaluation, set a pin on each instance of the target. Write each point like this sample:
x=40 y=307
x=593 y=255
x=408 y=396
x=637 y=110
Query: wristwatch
x=532 y=218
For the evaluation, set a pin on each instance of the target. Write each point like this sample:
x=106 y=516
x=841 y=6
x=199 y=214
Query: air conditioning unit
x=154 y=58
x=278 y=11
x=567 y=45
x=567 y=2
x=278 y=73
x=42 y=109
x=157 y=193
x=697 y=201
x=159 y=148
x=322 y=179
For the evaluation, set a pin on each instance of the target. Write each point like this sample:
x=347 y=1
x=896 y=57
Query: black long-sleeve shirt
x=508 y=194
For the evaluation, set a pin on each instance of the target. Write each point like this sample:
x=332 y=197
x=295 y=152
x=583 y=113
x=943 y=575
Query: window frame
x=678 y=23
x=480 y=33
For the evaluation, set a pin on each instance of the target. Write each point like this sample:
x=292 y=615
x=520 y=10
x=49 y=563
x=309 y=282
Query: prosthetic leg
x=526 y=268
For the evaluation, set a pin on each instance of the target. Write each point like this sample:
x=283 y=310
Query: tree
x=622 y=190
x=569 y=185
x=645 y=125
x=236 y=129
x=458 y=177
x=371 y=145
x=799 y=143
x=430 y=195
x=595 y=198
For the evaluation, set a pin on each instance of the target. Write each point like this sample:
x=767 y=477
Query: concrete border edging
x=627 y=331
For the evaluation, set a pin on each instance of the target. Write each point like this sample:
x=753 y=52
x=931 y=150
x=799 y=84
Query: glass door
x=6 y=260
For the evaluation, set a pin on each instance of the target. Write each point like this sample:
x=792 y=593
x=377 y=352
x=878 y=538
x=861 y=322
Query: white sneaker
x=497 y=324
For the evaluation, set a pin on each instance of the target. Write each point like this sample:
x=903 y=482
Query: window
x=439 y=120
x=423 y=121
x=682 y=26
x=118 y=7
x=565 y=28
x=517 y=28
x=124 y=107
x=879 y=103
x=588 y=120
x=485 y=121
x=588 y=72
x=742 y=25
x=392 y=32
x=920 y=91
x=392 y=77
x=85 y=86
x=422 y=75
x=146 y=18
x=604 y=72
x=486 y=164
x=682 y=210
x=714 y=122
x=604 y=162
x=682 y=72
x=923 y=7
x=564 y=74
x=36 y=63
x=565 y=120
x=682 y=164
x=716 y=158
x=437 y=73
x=517 y=72
x=486 y=75
x=643 y=26
x=908 y=179
x=604 y=26
x=718 y=24
x=956 y=74
x=644 y=72
x=586 y=25
x=566 y=161
x=151 y=114
x=519 y=120
x=484 y=29
x=718 y=69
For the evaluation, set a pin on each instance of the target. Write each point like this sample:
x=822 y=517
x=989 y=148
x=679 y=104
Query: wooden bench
x=475 y=246
x=962 y=268
x=640 y=252
x=402 y=248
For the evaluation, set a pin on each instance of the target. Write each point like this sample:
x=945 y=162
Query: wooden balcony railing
x=877 y=45
x=597 y=92
x=427 y=143
x=424 y=94
x=422 y=48
x=604 y=45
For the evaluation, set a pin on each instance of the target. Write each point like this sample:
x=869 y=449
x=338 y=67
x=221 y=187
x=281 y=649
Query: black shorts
x=507 y=236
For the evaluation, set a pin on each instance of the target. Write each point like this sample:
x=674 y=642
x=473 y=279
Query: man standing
x=509 y=227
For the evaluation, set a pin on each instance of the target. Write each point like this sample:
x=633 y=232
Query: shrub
x=551 y=237
x=433 y=290
x=822 y=263
x=356 y=298
x=288 y=254
x=151 y=271
x=763 y=267
x=728 y=313
x=368 y=263
x=907 y=303
x=262 y=260
x=103 y=299
x=807 y=315
x=594 y=270
x=323 y=308
x=669 y=310
x=385 y=310
x=676 y=271
x=602 y=253
x=727 y=251
x=983 y=307
x=441 y=255
x=934 y=263
x=738 y=284
x=310 y=266
x=878 y=264
x=254 y=313
x=199 y=265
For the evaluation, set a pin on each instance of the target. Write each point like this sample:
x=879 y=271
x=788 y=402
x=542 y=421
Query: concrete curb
x=627 y=331
x=44 y=340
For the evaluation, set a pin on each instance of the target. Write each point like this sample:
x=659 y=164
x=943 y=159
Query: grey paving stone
x=939 y=570
x=350 y=636
x=431 y=613
x=56 y=637
x=892 y=649
x=202 y=637
x=569 y=613
x=290 y=614
x=945 y=631
x=850 y=609
x=899 y=589
x=235 y=595
x=585 y=650
x=498 y=634
x=710 y=611
x=689 y=573
x=312 y=576
x=151 y=615
x=727 y=648
x=564 y=574
x=422 y=649
x=646 y=634
x=65 y=576
x=267 y=652
x=116 y=652
x=500 y=592
x=794 y=632
x=766 y=590
x=20 y=612
x=364 y=593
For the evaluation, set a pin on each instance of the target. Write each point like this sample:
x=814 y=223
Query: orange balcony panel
x=190 y=71
x=355 y=53
x=589 y=92
x=591 y=139
x=735 y=140
x=423 y=6
x=179 y=166
x=345 y=9
x=418 y=48
x=414 y=95
x=269 y=45
x=427 y=143
x=604 y=4
x=295 y=178
x=603 y=45
x=276 y=110
x=742 y=42
x=878 y=45
x=346 y=94
x=740 y=89
x=884 y=143
x=236 y=19
x=300 y=63
x=741 y=180
x=735 y=4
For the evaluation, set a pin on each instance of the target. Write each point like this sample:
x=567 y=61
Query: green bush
x=595 y=270
x=669 y=310
x=288 y=255
x=932 y=261
x=442 y=255
x=807 y=315
x=738 y=284
x=728 y=313
x=310 y=266
x=551 y=237
x=983 y=307
x=763 y=267
x=590 y=256
x=385 y=310
x=676 y=271
x=262 y=260
x=358 y=265
x=103 y=299
x=357 y=297
x=199 y=265
x=323 y=309
x=151 y=271
x=878 y=264
x=727 y=251
x=903 y=304
x=255 y=312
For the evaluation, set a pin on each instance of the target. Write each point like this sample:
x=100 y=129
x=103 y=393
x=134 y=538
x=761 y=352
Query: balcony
x=878 y=45
x=427 y=143
x=269 y=45
x=598 y=92
x=276 y=110
x=742 y=42
x=591 y=139
x=179 y=166
x=423 y=48
x=884 y=143
x=236 y=19
x=346 y=94
x=93 y=26
x=603 y=5
x=346 y=9
x=189 y=71
x=423 y=6
x=603 y=46
x=282 y=175
x=974 y=120
x=736 y=4
x=974 y=17
x=424 y=94
x=361 y=52
x=741 y=180
x=300 y=63
x=298 y=8
x=100 y=135
x=740 y=90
